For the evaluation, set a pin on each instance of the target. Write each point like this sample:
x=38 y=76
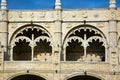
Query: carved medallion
x=42 y=15
x=32 y=15
x=85 y=14
x=20 y=14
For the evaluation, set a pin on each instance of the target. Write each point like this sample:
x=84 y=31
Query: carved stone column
x=64 y=54
x=4 y=28
x=58 y=41
x=106 y=53
x=113 y=38
x=11 y=54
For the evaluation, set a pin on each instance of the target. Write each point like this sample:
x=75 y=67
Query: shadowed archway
x=28 y=77
x=84 y=77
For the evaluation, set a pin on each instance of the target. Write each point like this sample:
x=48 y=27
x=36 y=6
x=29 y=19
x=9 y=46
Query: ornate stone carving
x=10 y=16
x=3 y=13
x=57 y=15
x=100 y=24
x=96 y=15
x=43 y=38
x=20 y=14
x=42 y=14
x=118 y=14
x=113 y=14
x=84 y=14
x=113 y=62
x=47 y=25
x=32 y=15
x=14 y=25
x=72 y=38
x=74 y=15
x=95 y=38
x=69 y=25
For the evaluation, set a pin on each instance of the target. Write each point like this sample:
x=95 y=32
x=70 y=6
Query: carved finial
x=112 y=4
x=58 y=4
x=3 y=5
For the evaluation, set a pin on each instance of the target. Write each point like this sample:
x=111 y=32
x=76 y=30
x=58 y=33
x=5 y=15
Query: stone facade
x=60 y=44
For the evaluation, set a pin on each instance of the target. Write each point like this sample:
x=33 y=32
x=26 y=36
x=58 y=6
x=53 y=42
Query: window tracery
x=92 y=47
x=33 y=42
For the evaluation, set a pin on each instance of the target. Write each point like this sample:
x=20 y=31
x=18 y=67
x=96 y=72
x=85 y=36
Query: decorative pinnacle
x=3 y=5
x=58 y=4
x=112 y=4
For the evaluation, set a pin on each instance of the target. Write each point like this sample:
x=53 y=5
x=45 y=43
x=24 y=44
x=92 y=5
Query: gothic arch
x=78 y=40
x=31 y=35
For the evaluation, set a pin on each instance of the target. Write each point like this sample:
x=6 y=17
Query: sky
x=66 y=4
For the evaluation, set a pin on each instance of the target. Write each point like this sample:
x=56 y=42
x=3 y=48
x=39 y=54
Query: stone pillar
x=32 y=54
x=4 y=33
x=32 y=48
x=106 y=53
x=64 y=54
x=113 y=49
x=57 y=40
x=113 y=38
x=11 y=54
x=4 y=27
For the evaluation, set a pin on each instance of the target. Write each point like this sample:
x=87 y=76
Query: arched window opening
x=29 y=32
x=22 y=50
x=84 y=77
x=31 y=43
x=85 y=44
x=74 y=51
x=28 y=77
x=95 y=51
x=43 y=51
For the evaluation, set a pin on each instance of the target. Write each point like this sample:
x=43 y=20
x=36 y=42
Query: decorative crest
x=3 y=5
x=112 y=4
x=58 y=4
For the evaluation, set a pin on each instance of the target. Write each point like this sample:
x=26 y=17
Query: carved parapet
x=43 y=57
x=92 y=57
